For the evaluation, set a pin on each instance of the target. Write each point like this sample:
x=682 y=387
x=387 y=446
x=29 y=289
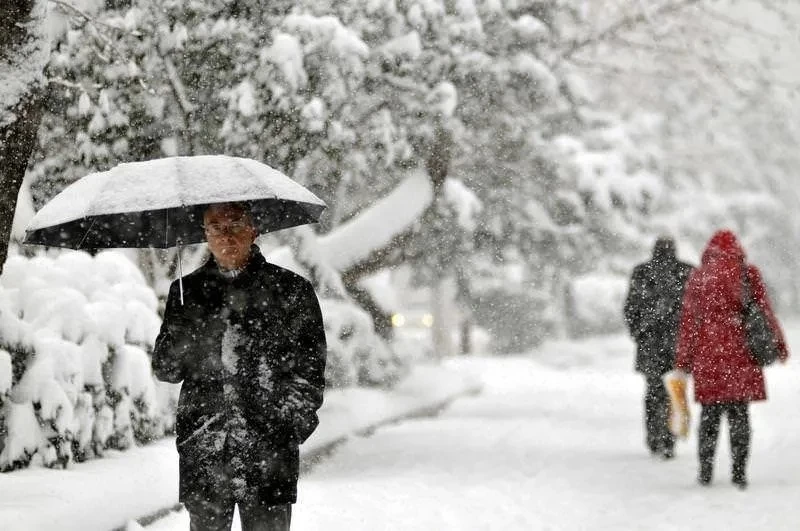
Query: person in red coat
x=712 y=347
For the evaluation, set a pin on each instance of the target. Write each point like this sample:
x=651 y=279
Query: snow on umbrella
x=160 y=203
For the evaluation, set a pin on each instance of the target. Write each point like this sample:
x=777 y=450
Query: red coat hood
x=721 y=271
x=723 y=245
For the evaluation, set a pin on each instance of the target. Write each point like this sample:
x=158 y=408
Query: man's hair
x=239 y=206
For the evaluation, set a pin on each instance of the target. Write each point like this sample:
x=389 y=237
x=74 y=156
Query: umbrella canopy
x=160 y=203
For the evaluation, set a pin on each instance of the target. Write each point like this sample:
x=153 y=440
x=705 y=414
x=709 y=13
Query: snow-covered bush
x=75 y=376
x=595 y=304
x=357 y=355
x=515 y=320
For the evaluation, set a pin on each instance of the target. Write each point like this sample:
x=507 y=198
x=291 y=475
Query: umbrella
x=160 y=203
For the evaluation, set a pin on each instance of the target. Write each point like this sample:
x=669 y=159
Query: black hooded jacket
x=250 y=352
x=653 y=307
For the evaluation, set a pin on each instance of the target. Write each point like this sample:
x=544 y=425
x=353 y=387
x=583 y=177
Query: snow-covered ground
x=105 y=493
x=554 y=442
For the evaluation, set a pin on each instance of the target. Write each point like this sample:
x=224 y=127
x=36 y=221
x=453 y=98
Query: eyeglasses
x=234 y=228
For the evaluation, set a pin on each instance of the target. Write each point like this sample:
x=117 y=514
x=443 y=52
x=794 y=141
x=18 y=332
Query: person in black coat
x=652 y=313
x=248 y=343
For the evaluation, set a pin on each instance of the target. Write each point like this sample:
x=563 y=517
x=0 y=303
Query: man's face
x=230 y=233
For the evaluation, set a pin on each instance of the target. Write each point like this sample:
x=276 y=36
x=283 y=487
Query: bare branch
x=612 y=69
x=70 y=84
x=609 y=69
x=624 y=24
x=709 y=60
x=69 y=8
x=738 y=24
x=177 y=86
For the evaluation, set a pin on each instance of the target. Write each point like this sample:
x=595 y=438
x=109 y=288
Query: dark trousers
x=656 y=416
x=217 y=515
x=739 y=428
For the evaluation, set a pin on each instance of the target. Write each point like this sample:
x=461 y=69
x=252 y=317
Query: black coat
x=267 y=396
x=652 y=311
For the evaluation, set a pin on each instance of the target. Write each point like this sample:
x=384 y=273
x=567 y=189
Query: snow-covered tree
x=356 y=99
x=24 y=48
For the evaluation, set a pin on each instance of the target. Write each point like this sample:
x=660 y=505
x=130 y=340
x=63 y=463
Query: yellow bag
x=675 y=382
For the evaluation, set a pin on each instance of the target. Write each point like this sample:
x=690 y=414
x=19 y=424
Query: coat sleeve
x=762 y=299
x=171 y=345
x=633 y=304
x=304 y=388
x=688 y=329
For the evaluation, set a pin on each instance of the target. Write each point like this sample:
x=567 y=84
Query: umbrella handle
x=180 y=271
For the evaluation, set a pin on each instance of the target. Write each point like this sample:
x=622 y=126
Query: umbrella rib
x=85 y=234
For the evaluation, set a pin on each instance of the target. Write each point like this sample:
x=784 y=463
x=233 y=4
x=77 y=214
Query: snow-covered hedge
x=357 y=355
x=595 y=304
x=515 y=320
x=75 y=377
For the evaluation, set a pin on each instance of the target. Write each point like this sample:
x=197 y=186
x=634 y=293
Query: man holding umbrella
x=249 y=346
x=244 y=337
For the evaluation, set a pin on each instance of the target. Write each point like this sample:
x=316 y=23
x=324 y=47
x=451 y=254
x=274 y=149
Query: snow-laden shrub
x=515 y=320
x=595 y=304
x=75 y=376
x=357 y=355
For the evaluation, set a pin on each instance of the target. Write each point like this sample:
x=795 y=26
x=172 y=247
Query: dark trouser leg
x=710 y=416
x=739 y=422
x=662 y=418
x=259 y=517
x=210 y=515
x=650 y=413
x=656 y=406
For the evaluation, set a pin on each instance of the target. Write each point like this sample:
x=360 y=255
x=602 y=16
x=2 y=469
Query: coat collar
x=256 y=263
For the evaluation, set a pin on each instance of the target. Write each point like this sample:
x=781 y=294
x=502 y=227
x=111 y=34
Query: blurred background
x=493 y=168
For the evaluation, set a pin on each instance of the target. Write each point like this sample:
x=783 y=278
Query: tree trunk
x=24 y=51
x=442 y=307
x=464 y=302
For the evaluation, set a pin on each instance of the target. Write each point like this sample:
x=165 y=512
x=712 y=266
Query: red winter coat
x=711 y=343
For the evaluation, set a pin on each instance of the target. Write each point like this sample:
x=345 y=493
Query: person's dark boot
x=668 y=452
x=653 y=446
x=655 y=449
x=704 y=477
x=739 y=480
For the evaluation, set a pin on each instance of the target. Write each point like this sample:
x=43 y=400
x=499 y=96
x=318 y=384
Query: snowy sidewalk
x=554 y=442
x=103 y=494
